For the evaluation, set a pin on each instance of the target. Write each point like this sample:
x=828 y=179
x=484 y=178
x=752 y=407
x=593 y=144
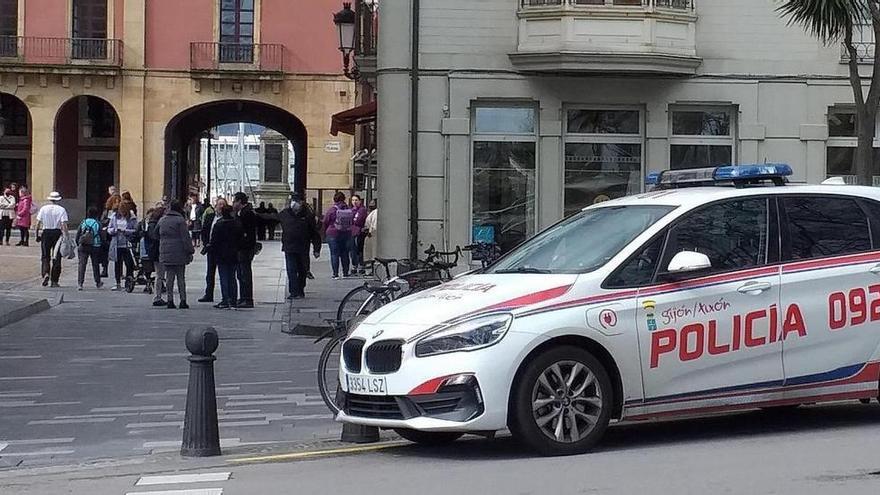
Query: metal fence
x=61 y=51
x=663 y=4
x=207 y=55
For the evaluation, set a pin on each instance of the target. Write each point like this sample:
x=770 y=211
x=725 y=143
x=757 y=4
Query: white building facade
x=532 y=109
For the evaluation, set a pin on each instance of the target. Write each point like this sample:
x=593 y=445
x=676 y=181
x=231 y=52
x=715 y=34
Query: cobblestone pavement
x=104 y=374
x=19 y=266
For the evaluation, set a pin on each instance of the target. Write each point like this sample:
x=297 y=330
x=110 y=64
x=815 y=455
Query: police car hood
x=468 y=296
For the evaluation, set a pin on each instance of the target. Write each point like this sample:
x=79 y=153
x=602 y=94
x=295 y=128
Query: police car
x=686 y=300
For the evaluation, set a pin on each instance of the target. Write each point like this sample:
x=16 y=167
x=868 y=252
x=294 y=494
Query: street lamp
x=346 y=21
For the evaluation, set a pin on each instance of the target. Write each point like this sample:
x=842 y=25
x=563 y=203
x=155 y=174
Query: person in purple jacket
x=338 y=224
x=357 y=236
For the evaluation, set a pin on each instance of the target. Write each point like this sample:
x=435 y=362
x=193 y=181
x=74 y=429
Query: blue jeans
x=339 y=252
x=228 y=289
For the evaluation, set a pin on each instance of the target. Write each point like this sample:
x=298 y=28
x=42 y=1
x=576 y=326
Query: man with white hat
x=52 y=219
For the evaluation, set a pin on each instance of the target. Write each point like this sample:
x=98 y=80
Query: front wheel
x=428 y=437
x=562 y=402
x=328 y=373
x=358 y=301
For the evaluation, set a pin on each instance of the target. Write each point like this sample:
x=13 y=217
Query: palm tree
x=835 y=21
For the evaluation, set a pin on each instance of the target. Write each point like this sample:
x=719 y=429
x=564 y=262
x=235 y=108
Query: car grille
x=351 y=353
x=384 y=356
x=376 y=407
x=440 y=403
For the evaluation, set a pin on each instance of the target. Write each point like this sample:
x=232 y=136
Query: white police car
x=680 y=301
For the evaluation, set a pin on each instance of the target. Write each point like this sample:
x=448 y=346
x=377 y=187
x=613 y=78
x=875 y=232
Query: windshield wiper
x=523 y=269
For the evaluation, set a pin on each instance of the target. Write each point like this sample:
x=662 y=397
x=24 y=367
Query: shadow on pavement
x=629 y=436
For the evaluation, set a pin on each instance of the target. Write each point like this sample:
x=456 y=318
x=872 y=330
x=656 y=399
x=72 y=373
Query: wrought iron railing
x=61 y=51
x=687 y=5
x=853 y=180
x=209 y=55
x=864 y=51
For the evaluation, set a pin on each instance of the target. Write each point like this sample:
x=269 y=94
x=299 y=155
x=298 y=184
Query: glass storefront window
x=603 y=155
x=504 y=192
x=504 y=174
x=596 y=172
x=841 y=146
x=701 y=137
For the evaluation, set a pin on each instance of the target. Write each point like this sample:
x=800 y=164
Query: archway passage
x=86 y=152
x=15 y=141
x=183 y=133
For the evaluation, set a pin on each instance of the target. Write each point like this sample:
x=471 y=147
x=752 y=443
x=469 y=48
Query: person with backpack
x=338 y=223
x=88 y=240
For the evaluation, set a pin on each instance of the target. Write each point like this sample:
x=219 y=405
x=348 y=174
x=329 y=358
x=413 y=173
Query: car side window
x=639 y=270
x=825 y=226
x=733 y=234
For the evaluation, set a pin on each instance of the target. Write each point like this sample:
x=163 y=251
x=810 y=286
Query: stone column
x=131 y=114
x=42 y=147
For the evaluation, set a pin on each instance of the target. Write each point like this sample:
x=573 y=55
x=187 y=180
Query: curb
x=23 y=312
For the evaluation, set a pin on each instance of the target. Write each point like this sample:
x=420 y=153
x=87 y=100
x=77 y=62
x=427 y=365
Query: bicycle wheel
x=129 y=284
x=352 y=303
x=328 y=373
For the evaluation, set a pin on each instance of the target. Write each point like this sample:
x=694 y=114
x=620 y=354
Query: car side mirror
x=688 y=262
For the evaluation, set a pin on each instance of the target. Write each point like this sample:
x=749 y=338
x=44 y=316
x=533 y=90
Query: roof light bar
x=737 y=175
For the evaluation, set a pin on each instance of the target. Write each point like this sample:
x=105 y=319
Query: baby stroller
x=144 y=267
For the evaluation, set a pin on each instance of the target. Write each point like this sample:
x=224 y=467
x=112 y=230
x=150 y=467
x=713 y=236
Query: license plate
x=366 y=385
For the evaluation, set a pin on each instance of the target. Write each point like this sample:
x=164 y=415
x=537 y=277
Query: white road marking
x=42 y=377
x=131 y=408
x=37 y=454
x=37 y=441
x=198 y=491
x=31 y=403
x=70 y=421
x=182 y=478
x=21 y=357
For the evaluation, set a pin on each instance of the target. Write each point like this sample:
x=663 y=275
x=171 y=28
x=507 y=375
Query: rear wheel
x=328 y=373
x=428 y=437
x=562 y=402
x=359 y=301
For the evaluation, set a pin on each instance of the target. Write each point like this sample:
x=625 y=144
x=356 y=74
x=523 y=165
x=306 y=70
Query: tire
x=358 y=302
x=542 y=387
x=328 y=373
x=428 y=437
x=129 y=284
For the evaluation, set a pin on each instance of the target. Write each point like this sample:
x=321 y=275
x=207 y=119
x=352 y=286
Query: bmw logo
x=378 y=334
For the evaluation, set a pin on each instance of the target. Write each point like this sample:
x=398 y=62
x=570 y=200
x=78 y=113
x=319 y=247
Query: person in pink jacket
x=23 y=215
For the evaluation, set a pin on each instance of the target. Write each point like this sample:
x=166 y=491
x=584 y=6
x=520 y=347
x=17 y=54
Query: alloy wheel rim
x=566 y=401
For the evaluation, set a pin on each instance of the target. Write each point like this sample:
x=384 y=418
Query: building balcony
x=60 y=53
x=367 y=38
x=260 y=60
x=607 y=36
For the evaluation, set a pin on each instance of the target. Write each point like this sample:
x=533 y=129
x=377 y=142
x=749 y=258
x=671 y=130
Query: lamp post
x=346 y=23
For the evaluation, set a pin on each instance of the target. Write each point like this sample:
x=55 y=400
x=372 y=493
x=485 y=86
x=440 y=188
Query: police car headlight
x=470 y=335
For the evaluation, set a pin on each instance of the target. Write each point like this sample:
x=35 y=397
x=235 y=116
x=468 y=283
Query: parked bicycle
x=328 y=363
x=411 y=277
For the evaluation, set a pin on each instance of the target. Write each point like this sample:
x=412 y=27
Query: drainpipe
x=414 y=137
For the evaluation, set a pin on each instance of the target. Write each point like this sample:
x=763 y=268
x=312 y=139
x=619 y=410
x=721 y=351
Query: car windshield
x=583 y=242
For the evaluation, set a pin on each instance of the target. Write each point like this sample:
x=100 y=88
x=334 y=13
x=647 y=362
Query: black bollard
x=201 y=433
x=359 y=433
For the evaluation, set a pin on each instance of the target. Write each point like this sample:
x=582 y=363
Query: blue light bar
x=747 y=172
x=738 y=175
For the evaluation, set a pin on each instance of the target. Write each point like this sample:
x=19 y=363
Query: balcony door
x=8 y=28
x=236 y=31
x=89 y=30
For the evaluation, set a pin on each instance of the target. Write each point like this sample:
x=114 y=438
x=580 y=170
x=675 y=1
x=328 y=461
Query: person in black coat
x=299 y=229
x=226 y=240
x=208 y=217
x=248 y=249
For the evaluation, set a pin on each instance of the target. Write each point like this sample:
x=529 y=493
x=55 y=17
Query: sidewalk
x=104 y=374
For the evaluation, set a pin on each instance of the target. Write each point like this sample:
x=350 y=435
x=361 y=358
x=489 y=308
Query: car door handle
x=754 y=288
x=875 y=270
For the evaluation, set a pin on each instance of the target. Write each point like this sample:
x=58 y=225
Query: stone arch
x=185 y=128
x=86 y=132
x=15 y=141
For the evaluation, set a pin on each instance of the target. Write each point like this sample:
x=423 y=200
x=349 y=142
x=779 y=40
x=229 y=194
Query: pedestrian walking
x=356 y=245
x=247 y=250
x=262 y=221
x=194 y=218
x=209 y=220
x=175 y=251
x=110 y=207
x=299 y=230
x=88 y=240
x=153 y=253
x=23 y=212
x=227 y=237
x=52 y=219
x=121 y=229
x=272 y=213
x=338 y=222
x=7 y=215
x=370 y=232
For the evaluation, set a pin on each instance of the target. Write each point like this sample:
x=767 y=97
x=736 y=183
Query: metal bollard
x=201 y=433
x=359 y=433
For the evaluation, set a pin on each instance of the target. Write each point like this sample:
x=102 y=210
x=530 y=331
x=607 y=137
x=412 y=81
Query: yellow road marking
x=318 y=453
